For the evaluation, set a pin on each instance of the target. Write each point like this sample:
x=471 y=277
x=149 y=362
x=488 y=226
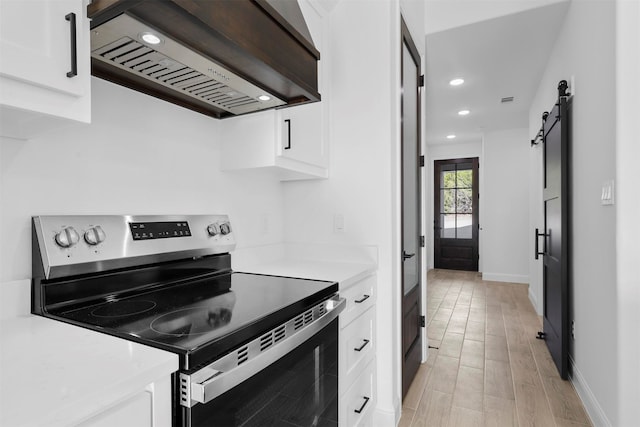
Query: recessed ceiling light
x=451 y=136
x=463 y=112
x=150 y=38
x=264 y=98
x=456 y=82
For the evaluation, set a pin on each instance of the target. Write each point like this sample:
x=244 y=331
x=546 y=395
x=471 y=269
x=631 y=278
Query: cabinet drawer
x=360 y=297
x=357 y=347
x=357 y=405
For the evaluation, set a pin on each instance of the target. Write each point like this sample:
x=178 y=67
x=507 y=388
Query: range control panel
x=159 y=230
x=93 y=243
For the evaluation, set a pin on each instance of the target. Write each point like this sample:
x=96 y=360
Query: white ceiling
x=497 y=58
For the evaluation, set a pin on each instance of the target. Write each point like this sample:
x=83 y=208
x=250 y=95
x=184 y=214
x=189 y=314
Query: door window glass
x=456 y=201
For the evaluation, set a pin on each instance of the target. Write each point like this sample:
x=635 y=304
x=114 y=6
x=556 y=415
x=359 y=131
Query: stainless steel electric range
x=254 y=350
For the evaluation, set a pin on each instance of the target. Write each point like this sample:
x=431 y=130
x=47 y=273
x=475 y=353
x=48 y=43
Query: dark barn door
x=555 y=248
x=455 y=220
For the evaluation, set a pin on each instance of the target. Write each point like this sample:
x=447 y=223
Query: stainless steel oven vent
x=243 y=355
x=266 y=341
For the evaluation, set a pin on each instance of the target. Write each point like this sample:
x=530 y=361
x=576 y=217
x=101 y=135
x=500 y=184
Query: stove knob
x=67 y=237
x=225 y=228
x=95 y=235
x=213 y=229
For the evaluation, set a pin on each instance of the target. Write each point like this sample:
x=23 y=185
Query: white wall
x=445 y=152
x=628 y=212
x=139 y=156
x=586 y=49
x=505 y=206
x=364 y=167
x=446 y=14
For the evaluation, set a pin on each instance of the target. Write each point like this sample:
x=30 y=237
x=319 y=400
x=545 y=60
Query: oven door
x=299 y=388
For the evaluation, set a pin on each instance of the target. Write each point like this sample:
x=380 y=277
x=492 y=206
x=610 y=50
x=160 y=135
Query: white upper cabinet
x=45 y=73
x=292 y=141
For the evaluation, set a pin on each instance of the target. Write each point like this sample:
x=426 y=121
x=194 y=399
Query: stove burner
x=123 y=308
x=191 y=321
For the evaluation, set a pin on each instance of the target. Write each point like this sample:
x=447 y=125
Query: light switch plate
x=607 y=197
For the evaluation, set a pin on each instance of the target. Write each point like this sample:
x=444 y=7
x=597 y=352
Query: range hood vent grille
x=175 y=67
x=156 y=66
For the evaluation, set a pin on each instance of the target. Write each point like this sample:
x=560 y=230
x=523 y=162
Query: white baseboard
x=534 y=302
x=500 y=277
x=384 y=418
x=593 y=408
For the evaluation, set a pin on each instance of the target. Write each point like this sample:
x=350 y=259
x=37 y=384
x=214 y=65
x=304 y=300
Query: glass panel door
x=410 y=184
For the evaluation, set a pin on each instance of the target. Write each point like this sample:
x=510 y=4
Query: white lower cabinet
x=358 y=403
x=357 y=351
x=150 y=407
x=359 y=345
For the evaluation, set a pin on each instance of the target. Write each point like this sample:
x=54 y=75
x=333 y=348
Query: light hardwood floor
x=489 y=369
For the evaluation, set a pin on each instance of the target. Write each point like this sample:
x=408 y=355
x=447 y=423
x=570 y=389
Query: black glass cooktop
x=204 y=319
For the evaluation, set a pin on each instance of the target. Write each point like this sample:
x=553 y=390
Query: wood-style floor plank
x=414 y=394
x=489 y=369
x=463 y=417
x=499 y=412
x=469 y=389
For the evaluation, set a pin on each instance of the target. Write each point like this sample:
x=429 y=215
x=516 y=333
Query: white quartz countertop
x=346 y=273
x=56 y=374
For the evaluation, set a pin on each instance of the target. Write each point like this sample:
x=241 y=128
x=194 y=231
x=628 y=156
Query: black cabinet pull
x=362 y=346
x=71 y=17
x=366 y=400
x=288 y=146
x=363 y=299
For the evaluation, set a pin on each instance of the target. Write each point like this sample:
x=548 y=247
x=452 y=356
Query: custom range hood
x=218 y=57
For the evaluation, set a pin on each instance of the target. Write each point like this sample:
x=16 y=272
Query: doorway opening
x=455 y=222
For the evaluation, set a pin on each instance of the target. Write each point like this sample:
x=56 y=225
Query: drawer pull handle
x=366 y=400
x=363 y=299
x=362 y=346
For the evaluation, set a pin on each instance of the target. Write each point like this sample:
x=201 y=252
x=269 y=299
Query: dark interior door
x=411 y=203
x=555 y=260
x=455 y=221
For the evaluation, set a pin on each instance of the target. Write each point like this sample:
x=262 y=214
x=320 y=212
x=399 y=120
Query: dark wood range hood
x=218 y=57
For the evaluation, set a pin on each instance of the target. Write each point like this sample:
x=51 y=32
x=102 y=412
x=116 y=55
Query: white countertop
x=346 y=273
x=56 y=374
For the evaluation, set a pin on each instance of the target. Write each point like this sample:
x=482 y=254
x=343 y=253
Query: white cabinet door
x=35 y=42
x=302 y=137
x=150 y=407
x=303 y=127
x=292 y=141
x=38 y=89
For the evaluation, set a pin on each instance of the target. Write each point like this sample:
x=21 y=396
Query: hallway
x=490 y=369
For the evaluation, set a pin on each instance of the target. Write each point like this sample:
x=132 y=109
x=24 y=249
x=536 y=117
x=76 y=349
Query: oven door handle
x=222 y=375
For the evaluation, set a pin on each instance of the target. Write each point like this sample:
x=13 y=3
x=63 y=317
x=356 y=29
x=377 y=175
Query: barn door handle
x=407 y=256
x=537 y=237
x=71 y=17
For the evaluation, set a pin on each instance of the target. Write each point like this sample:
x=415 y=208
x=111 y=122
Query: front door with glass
x=456 y=214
